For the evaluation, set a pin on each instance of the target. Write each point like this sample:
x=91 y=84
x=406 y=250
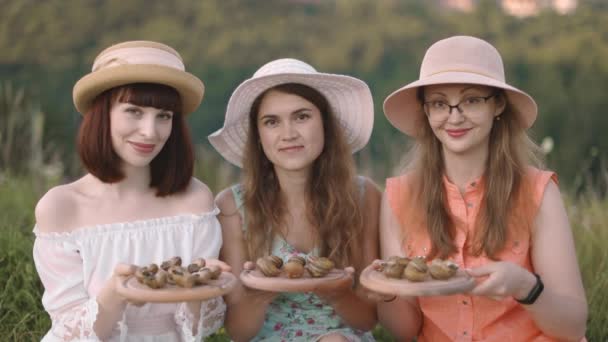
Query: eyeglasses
x=440 y=110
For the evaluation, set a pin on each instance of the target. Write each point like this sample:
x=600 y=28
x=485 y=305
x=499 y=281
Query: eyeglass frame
x=457 y=106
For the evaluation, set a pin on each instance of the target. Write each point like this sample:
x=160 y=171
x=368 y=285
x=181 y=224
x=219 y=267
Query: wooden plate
x=256 y=280
x=133 y=290
x=378 y=282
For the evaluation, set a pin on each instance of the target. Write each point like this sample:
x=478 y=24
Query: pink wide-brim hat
x=138 y=61
x=455 y=60
x=350 y=100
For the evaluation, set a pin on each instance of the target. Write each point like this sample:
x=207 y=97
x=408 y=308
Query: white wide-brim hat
x=349 y=98
x=138 y=62
x=455 y=60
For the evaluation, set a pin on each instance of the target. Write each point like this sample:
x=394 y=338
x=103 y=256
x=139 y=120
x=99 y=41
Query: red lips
x=291 y=148
x=142 y=148
x=457 y=133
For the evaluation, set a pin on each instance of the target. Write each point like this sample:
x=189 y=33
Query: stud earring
x=498 y=118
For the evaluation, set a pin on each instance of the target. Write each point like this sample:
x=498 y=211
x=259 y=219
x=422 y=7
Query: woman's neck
x=461 y=169
x=135 y=183
x=293 y=187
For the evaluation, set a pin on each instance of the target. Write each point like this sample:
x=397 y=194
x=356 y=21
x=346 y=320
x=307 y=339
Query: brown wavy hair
x=511 y=152
x=333 y=197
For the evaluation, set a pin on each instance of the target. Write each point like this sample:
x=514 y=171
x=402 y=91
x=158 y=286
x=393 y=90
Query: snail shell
x=200 y=262
x=403 y=261
x=268 y=266
x=278 y=262
x=416 y=270
x=203 y=276
x=215 y=270
x=196 y=265
x=294 y=268
x=186 y=280
x=156 y=281
x=175 y=261
x=153 y=268
x=319 y=266
x=141 y=273
x=442 y=269
x=393 y=269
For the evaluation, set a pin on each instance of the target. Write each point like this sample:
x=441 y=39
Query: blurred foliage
x=561 y=60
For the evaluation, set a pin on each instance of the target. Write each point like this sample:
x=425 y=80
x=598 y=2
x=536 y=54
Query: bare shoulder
x=552 y=195
x=551 y=203
x=371 y=187
x=197 y=197
x=56 y=210
x=226 y=203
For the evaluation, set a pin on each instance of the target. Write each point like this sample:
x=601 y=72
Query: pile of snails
x=171 y=272
x=272 y=266
x=416 y=269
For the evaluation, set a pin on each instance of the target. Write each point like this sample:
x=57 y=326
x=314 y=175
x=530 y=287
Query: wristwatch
x=534 y=293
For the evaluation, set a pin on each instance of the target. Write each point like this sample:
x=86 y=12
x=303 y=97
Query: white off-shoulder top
x=74 y=266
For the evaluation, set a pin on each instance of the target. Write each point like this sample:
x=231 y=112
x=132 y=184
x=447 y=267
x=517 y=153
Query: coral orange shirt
x=464 y=317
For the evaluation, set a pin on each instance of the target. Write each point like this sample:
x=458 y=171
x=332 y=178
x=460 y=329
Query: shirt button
x=473 y=184
x=469 y=205
x=464 y=302
x=464 y=333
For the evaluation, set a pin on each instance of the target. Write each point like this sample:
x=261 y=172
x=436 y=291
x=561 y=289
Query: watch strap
x=534 y=293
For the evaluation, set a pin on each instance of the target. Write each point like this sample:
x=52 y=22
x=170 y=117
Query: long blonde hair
x=511 y=151
x=333 y=197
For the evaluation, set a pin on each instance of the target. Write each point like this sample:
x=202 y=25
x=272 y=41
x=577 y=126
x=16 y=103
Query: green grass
x=22 y=317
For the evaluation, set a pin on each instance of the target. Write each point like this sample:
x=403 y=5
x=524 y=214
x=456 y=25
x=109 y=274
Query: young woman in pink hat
x=292 y=130
x=473 y=192
x=138 y=204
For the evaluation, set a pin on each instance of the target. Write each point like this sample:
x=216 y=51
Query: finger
x=377 y=297
x=377 y=264
x=222 y=265
x=484 y=288
x=248 y=265
x=124 y=269
x=480 y=271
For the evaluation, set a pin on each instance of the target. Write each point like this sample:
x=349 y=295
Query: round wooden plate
x=133 y=290
x=256 y=280
x=378 y=282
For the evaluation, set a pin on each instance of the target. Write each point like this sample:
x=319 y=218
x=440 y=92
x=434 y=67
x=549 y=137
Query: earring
x=498 y=118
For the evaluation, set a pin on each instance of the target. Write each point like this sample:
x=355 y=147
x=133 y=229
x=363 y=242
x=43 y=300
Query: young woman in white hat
x=474 y=193
x=137 y=205
x=292 y=130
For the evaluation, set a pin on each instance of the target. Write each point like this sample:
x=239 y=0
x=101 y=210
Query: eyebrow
x=297 y=111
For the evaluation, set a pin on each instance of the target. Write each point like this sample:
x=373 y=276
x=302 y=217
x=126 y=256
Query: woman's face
x=291 y=131
x=139 y=133
x=465 y=128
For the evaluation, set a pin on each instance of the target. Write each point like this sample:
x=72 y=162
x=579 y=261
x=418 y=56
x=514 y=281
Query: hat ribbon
x=465 y=71
x=138 y=55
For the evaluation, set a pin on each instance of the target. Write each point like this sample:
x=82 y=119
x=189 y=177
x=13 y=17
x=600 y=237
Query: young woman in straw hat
x=292 y=130
x=473 y=193
x=137 y=205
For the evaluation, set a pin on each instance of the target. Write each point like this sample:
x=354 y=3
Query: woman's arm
x=246 y=309
x=59 y=267
x=352 y=304
x=402 y=316
x=561 y=309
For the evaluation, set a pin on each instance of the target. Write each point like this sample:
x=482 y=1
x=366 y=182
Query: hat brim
x=350 y=100
x=404 y=111
x=189 y=87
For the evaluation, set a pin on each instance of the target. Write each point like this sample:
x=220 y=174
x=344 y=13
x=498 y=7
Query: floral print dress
x=299 y=316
